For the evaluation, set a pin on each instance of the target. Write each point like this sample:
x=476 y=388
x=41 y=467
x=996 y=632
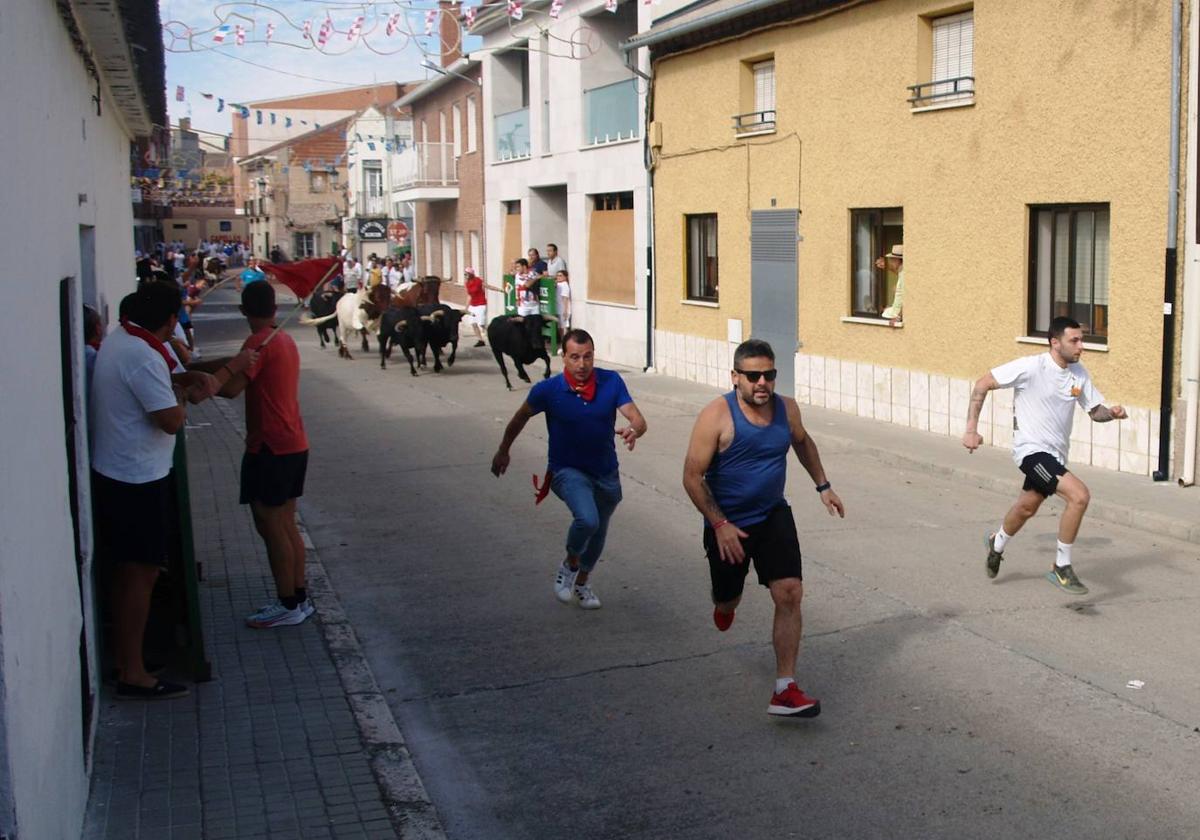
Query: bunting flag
x=371 y=146
x=220 y=105
x=611 y=5
x=325 y=31
x=308 y=30
x=270 y=31
x=514 y=9
x=393 y=23
x=556 y=8
x=178 y=93
x=287 y=122
x=272 y=118
x=245 y=112
x=469 y=12
x=240 y=35
x=355 y=28
x=303 y=276
x=430 y=17
x=258 y=117
x=207 y=95
x=219 y=35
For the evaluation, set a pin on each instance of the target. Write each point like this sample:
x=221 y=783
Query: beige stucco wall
x=1072 y=105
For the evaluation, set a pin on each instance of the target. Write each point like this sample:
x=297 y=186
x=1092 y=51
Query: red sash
x=151 y=339
x=585 y=389
x=541 y=491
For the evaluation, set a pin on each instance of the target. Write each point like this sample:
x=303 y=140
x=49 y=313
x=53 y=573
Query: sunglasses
x=755 y=375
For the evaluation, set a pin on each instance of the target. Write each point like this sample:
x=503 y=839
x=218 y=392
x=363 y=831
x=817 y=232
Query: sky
x=260 y=70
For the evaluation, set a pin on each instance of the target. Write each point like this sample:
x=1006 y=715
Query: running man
x=581 y=406
x=1047 y=387
x=734 y=473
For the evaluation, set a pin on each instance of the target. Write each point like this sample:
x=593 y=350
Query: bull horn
x=403 y=323
x=427 y=318
x=550 y=319
x=438 y=314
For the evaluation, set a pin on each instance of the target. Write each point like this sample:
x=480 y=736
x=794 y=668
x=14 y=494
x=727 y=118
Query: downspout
x=1191 y=269
x=1166 y=397
x=647 y=158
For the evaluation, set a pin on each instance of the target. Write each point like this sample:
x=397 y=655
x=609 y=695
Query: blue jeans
x=592 y=501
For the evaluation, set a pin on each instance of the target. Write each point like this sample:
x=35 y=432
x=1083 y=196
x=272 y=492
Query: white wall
x=619 y=331
x=40 y=617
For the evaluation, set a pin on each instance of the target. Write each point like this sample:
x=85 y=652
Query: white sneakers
x=566 y=590
x=276 y=614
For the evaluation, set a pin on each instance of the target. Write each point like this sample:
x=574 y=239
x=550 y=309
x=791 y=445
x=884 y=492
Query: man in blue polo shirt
x=581 y=406
x=252 y=274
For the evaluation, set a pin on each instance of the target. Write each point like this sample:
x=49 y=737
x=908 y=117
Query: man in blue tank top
x=581 y=408
x=734 y=473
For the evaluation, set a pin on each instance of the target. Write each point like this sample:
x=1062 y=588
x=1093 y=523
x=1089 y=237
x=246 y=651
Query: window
x=764 y=87
x=304 y=245
x=873 y=233
x=373 y=178
x=460 y=255
x=472 y=123
x=456 y=129
x=702 y=257
x=317 y=181
x=952 y=72
x=512 y=208
x=446 y=256
x=1068 y=267
x=428 y=253
x=475 y=254
x=613 y=201
x=760 y=102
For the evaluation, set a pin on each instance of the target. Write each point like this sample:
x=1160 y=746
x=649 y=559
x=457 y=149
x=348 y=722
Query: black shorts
x=1042 y=471
x=131 y=520
x=271 y=479
x=771 y=544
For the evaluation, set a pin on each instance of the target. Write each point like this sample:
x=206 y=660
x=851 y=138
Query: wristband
x=717 y=525
x=821 y=488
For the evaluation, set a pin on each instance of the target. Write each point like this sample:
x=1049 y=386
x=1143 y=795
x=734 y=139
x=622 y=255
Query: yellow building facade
x=1034 y=185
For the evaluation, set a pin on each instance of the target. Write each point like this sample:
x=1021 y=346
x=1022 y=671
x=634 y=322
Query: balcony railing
x=370 y=205
x=611 y=113
x=943 y=90
x=425 y=165
x=754 y=121
x=512 y=135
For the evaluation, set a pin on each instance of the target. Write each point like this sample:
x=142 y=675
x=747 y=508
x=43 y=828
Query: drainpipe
x=647 y=154
x=1191 y=271
x=1168 y=340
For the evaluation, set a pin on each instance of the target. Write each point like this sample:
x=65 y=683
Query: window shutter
x=764 y=86
x=954 y=46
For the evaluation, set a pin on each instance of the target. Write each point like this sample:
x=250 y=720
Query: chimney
x=185 y=124
x=449 y=33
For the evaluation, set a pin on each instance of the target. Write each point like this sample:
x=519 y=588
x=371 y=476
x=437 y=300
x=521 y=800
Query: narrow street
x=952 y=706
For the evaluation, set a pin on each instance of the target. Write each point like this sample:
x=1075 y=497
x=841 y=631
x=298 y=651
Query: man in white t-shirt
x=554 y=262
x=1048 y=386
x=352 y=273
x=529 y=304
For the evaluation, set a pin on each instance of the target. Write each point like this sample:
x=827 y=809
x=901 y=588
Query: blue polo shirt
x=581 y=433
x=251 y=275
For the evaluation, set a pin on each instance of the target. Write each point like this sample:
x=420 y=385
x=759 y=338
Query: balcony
x=611 y=113
x=512 y=135
x=755 y=122
x=425 y=172
x=943 y=93
x=370 y=206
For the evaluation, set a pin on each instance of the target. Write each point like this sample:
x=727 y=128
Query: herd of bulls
x=418 y=323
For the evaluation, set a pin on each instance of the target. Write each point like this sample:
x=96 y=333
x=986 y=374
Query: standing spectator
x=93 y=334
x=374 y=272
x=180 y=259
x=392 y=275
x=135 y=411
x=352 y=272
x=528 y=303
x=477 y=302
x=536 y=264
x=581 y=407
x=276 y=458
x=562 y=296
x=251 y=274
x=554 y=263
x=406 y=267
x=734 y=473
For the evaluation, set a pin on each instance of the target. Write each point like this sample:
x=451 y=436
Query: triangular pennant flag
x=220 y=105
x=556 y=8
x=178 y=93
x=270 y=31
x=514 y=10
x=287 y=122
x=207 y=95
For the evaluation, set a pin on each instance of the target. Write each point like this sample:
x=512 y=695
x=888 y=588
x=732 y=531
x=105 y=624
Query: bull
x=403 y=326
x=441 y=328
x=322 y=304
x=507 y=335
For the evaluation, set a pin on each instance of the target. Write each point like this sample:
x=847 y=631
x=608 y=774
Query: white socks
x=1063 y=557
x=781 y=683
x=1000 y=539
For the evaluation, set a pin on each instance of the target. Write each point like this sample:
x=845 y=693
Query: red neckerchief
x=94 y=344
x=585 y=389
x=151 y=339
x=541 y=491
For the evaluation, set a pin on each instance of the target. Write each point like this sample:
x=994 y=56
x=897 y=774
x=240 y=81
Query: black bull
x=440 y=328
x=507 y=335
x=322 y=304
x=402 y=326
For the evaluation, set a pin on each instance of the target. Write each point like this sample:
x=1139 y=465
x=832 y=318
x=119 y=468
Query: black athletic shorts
x=271 y=479
x=131 y=520
x=773 y=547
x=1042 y=471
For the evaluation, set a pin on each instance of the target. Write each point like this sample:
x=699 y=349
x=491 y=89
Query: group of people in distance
x=736 y=466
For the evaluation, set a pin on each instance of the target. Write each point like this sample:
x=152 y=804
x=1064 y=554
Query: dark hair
x=1060 y=325
x=92 y=325
x=154 y=304
x=752 y=348
x=551 y=245
x=536 y=251
x=522 y=261
x=578 y=336
x=564 y=273
x=258 y=300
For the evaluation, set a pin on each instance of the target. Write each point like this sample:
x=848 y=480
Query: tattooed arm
x=971 y=439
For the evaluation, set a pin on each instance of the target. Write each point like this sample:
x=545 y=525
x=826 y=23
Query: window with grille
x=760 y=111
x=702 y=257
x=1068 y=267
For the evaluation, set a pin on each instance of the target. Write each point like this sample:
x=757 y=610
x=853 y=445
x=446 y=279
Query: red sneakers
x=792 y=701
x=723 y=620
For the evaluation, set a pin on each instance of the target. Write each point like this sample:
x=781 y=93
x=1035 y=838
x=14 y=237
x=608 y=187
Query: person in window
x=893 y=261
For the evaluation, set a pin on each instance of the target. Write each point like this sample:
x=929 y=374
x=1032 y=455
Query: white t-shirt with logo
x=129 y=382
x=1044 y=403
x=528 y=300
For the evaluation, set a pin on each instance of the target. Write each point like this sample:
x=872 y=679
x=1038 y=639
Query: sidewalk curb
x=412 y=813
x=1115 y=513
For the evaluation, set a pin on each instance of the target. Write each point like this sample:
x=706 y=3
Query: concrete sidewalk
x=1135 y=501
x=291 y=738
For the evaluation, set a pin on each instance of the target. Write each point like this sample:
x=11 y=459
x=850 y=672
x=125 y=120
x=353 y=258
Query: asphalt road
x=953 y=706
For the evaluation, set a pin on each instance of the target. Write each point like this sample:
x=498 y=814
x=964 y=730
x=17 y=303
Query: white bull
x=351 y=318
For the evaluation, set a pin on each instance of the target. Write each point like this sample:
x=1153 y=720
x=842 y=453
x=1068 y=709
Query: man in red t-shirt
x=477 y=302
x=276 y=458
